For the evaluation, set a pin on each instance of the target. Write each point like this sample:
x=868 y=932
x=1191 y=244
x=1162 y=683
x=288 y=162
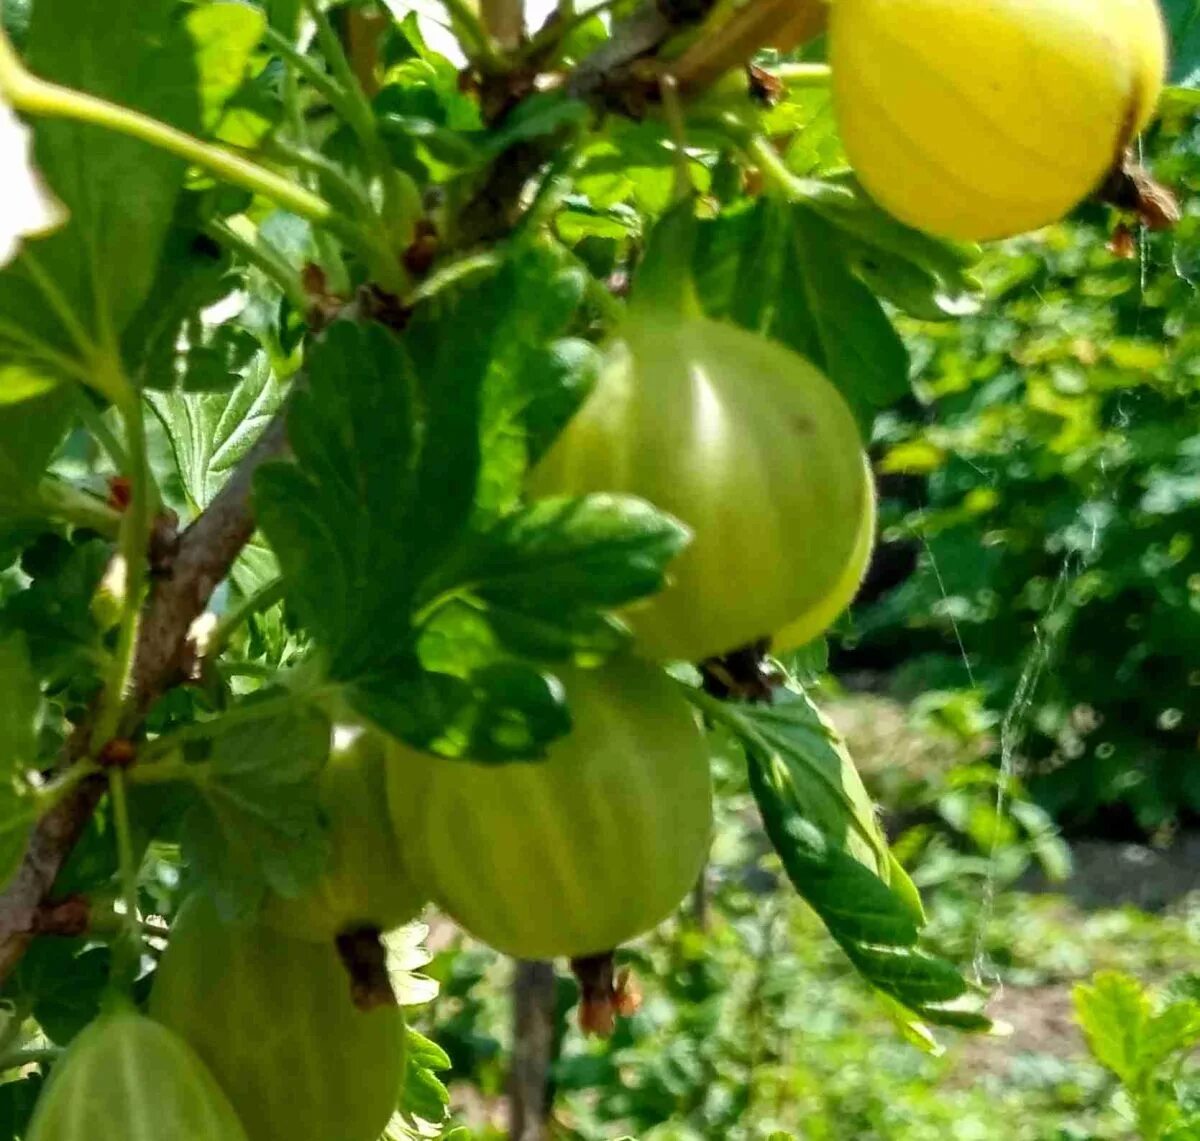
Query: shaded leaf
x=256 y=822
x=120 y=192
x=62 y=981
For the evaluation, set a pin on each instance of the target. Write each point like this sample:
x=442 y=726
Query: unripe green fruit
x=273 y=1019
x=755 y=450
x=365 y=883
x=580 y=852
x=985 y=118
x=125 y=1076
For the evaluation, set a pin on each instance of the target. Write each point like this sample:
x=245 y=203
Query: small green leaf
x=210 y=433
x=544 y=113
x=256 y=823
x=502 y=711
x=1114 y=1012
x=844 y=329
x=340 y=518
x=225 y=35
x=555 y=563
x=55 y=612
x=192 y=273
x=29 y=434
x=820 y=821
x=61 y=980
x=423 y=1095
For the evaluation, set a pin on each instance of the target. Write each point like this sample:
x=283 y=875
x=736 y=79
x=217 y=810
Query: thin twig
x=206 y=552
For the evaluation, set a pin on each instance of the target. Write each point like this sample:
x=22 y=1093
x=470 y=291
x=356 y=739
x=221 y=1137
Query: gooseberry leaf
x=91 y=276
x=496 y=711
x=211 y=432
x=782 y=271
x=422 y=1095
x=255 y=822
x=541 y=574
x=339 y=517
x=55 y=611
x=844 y=329
x=62 y=979
x=409 y=456
x=225 y=34
x=1183 y=21
x=531 y=376
x=821 y=823
x=193 y=273
x=17 y=1098
x=29 y=434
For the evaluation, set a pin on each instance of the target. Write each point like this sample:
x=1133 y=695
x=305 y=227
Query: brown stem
x=603 y=79
x=782 y=24
x=533 y=993
x=206 y=552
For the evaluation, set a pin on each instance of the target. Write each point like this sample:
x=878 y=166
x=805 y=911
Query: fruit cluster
x=970 y=120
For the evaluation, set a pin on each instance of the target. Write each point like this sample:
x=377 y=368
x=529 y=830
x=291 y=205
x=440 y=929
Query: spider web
x=1039 y=658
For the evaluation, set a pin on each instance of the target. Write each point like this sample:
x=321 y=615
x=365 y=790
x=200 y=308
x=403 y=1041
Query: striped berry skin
x=127 y=1076
x=576 y=853
x=273 y=1019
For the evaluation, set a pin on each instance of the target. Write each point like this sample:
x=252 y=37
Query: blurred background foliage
x=1046 y=479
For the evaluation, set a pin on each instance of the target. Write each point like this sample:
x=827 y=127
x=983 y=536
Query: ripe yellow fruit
x=577 y=853
x=755 y=450
x=978 y=119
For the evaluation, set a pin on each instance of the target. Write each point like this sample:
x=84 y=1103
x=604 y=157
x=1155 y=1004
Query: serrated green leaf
x=120 y=192
x=821 y=776
x=339 y=519
x=821 y=823
x=844 y=329
x=532 y=381
x=61 y=980
x=1114 y=1012
x=1183 y=21
x=541 y=573
x=55 y=612
x=225 y=35
x=256 y=821
x=29 y=434
x=193 y=272
x=501 y=711
x=210 y=432
x=423 y=1096
x=544 y=113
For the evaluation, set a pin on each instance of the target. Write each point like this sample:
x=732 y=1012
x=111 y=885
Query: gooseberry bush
x=415 y=460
